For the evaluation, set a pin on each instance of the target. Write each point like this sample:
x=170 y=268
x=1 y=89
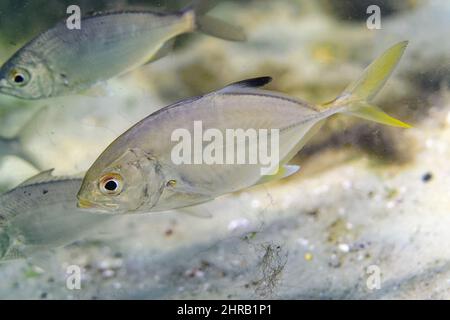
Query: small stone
x=308 y=256
x=239 y=223
x=427 y=177
x=255 y=204
x=344 y=247
x=108 y=273
x=303 y=242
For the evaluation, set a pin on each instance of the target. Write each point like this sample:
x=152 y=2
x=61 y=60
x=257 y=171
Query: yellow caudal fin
x=370 y=112
x=356 y=98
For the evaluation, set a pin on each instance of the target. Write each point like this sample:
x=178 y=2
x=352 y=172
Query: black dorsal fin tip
x=253 y=82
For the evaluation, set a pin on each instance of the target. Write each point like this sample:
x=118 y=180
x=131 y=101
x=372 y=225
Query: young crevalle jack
x=136 y=174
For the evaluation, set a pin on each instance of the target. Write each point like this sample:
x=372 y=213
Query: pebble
x=239 y=223
x=427 y=177
x=344 y=247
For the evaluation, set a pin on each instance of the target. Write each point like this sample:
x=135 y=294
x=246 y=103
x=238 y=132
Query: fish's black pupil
x=18 y=78
x=111 y=185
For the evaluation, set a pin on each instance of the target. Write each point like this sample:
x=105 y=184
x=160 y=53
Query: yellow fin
x=283 y=172
x=355 y=100
x=373 y=113
x=376 y=74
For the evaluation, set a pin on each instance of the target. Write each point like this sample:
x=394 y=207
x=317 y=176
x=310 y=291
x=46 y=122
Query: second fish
x=61 y=61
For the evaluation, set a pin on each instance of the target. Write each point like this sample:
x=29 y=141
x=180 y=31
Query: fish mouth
x=9 y=91
x=85 y=204
x=5 y=90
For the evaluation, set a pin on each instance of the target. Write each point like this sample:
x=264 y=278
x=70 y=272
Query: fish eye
x=111 y=184
x=19 y=77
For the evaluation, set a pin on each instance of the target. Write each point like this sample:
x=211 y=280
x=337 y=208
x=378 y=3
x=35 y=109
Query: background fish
x=14 y=146
x=136 y=173
x=41 y=214
x=62 y=61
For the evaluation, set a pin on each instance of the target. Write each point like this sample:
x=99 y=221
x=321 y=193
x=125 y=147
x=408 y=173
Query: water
x=366 y=195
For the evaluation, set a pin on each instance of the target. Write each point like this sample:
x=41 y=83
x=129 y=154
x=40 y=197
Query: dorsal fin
x=248 y=83
x=44 y=176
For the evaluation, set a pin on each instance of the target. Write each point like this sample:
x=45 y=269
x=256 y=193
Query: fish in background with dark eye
x=61 y=61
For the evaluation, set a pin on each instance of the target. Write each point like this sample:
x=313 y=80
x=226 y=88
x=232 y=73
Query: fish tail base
x=196 y=15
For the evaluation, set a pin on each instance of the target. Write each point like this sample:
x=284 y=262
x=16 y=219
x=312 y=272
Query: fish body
x=41 y=214
x=140 y=162
x=149 y=143
x=62 y=61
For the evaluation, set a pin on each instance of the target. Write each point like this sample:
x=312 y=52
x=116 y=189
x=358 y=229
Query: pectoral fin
x=283 y=172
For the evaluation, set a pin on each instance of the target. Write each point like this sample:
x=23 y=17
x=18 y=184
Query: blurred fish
x=136 y=172
x=41 y=214
x=14 y=146
x=62 y=61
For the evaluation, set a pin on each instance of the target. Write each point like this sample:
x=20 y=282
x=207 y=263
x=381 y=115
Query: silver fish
x=136 y=172
x=61 y=61
x=41 y=214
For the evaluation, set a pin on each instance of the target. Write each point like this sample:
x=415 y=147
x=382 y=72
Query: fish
x=61 y=61
x=136 y=172
x=14 y=146
x=41 y=214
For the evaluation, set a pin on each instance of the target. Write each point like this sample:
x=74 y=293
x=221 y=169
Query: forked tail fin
x=356 y=98
x=212 y=26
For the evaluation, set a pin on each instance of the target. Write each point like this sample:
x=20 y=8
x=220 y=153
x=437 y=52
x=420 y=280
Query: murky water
x=368 y=199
